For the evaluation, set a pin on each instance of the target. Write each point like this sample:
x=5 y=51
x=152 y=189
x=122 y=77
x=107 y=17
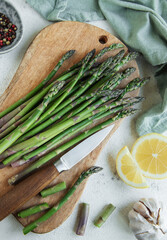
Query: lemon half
x=150 y=154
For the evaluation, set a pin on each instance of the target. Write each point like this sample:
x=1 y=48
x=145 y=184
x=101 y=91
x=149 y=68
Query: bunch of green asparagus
x=38 y=127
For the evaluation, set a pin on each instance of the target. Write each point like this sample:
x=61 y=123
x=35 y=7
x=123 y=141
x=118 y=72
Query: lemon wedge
x=128 y=169
x=150 y=154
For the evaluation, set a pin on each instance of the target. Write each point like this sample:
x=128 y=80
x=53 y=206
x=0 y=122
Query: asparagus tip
x=130 y=70
x=94 y=169
x=146 y=79
x=133 y=55
x=70 y=53
x=90 y=54
x=120 y=54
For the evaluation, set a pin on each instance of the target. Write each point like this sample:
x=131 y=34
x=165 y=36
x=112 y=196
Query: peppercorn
x=7 y=31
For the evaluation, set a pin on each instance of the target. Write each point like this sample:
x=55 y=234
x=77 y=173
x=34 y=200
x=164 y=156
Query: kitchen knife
x=33 y=184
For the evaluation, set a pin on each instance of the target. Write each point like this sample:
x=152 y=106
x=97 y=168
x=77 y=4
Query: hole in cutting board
x=103 y=39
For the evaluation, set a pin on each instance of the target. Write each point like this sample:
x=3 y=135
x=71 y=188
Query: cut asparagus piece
x=83 y=219
x=53 y=210
x=57 y=188
x=104 y=215
x=33 y=210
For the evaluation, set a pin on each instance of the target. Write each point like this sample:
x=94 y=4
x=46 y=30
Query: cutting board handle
x=26 y=189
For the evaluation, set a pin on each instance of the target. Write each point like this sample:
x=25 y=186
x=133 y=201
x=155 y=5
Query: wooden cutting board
x=42 y=55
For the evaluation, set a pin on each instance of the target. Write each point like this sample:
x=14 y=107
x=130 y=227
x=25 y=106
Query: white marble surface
x=103 y=188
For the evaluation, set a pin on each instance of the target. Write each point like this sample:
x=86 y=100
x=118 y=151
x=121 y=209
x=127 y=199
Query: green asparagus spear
x=114 y=93
x=33 y=210
x=57 y=188
x=40 y=86
x=53 y=210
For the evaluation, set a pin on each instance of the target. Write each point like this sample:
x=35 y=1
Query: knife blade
x=75 y=155
x=33 y=184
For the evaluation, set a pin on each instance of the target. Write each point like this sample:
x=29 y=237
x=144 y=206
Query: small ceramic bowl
x=7 y=9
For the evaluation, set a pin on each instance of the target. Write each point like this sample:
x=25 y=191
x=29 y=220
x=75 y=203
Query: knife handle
x=26 y=189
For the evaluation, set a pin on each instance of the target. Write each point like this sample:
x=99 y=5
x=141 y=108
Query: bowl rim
x=21 y=35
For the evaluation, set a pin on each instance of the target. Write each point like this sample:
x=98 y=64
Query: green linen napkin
x=68 y=10
x=141 y=24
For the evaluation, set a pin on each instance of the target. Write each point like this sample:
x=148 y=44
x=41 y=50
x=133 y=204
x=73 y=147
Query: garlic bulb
x=148 y=219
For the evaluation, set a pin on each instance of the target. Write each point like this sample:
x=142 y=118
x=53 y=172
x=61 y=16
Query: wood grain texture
x=46 y=49
x=34 y=183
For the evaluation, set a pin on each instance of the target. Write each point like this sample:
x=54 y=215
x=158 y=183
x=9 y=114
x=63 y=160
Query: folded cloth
x=140 y=24
x=68 y=10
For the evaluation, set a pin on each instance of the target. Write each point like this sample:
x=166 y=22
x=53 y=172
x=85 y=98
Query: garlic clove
x=153 y=205
x=162 y=222
x=149 y=236
x=138 y=222
x=141 y=208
